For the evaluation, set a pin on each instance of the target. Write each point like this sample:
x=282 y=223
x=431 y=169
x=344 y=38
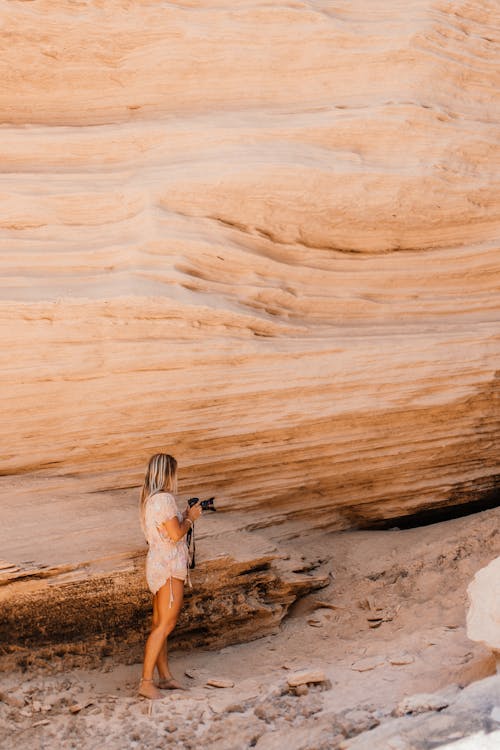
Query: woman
x=165 y=528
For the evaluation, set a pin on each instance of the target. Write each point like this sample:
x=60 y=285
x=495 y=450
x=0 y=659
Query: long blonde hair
x=161 y=476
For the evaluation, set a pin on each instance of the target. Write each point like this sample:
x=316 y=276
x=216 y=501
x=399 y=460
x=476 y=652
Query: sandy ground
x=393 y=627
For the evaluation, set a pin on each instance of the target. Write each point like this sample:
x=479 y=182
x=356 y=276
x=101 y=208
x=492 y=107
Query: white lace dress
x=166 y=559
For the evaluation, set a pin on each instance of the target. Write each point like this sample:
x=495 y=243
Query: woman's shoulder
x=163 y=494
x=160 y=504
x=162 y=498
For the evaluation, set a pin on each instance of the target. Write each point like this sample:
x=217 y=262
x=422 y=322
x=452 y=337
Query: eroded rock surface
x=232 y=599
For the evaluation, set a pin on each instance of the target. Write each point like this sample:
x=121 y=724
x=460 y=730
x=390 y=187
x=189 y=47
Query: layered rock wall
x=263 y=237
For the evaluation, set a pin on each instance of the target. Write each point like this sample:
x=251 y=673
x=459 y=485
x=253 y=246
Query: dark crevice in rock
x=447 y=512
x=255 y=569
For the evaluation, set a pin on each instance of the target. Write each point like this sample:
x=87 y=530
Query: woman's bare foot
x=149 y=690
x=170 y=683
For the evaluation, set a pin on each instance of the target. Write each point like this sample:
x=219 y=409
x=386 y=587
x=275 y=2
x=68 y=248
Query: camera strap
x=191 y=547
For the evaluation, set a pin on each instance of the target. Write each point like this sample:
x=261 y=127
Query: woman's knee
x=165 y=626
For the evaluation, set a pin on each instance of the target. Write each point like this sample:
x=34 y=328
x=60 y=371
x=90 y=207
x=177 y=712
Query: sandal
x=170 y=684
x=147 y=689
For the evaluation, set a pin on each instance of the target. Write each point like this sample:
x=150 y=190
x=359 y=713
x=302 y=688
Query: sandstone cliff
x=260 y=236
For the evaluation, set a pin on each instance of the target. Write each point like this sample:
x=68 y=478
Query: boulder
x=483 y=617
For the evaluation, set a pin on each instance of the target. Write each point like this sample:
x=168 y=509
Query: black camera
x=205 y=504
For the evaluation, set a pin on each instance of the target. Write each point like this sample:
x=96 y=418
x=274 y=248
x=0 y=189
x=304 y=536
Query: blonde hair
x=161 y=476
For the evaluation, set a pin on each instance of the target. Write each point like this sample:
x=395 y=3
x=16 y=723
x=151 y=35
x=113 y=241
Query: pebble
x=401 y=659
x=304 y=678
x=220 y=683
x=365 y=665
x=75 y=707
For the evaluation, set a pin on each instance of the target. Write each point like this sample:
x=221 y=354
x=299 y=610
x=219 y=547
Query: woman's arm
x=177 y=529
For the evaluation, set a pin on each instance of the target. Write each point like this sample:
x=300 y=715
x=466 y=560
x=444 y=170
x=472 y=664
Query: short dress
x=166 y=559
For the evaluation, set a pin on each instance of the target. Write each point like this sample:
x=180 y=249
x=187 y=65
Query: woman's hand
x=194 y=511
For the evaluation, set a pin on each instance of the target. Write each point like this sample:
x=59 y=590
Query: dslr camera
x=205 y=504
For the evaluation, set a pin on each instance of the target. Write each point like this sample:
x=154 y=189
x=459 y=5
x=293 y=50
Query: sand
x=391 y=624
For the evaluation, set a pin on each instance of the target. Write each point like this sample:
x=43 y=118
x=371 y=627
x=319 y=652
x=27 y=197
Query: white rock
x=478 y=741
x=483 y=617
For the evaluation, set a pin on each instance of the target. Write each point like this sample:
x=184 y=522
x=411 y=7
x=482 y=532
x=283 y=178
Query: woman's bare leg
x=166 y=680
x=167 y=618
x=162 y=660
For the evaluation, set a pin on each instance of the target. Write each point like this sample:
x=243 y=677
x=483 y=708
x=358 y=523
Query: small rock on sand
x=305 y=678
x=220 y=683
x=76 y=707
x=365 y=665
x=401 y=659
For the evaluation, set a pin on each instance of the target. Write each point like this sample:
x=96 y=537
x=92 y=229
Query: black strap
x=191 y=547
